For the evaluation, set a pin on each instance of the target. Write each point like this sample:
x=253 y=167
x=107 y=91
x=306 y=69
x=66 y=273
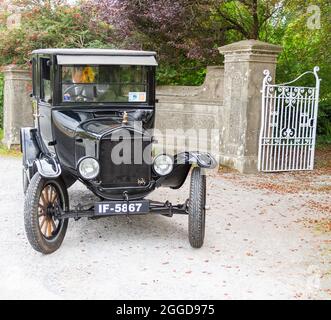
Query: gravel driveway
x=267 y=237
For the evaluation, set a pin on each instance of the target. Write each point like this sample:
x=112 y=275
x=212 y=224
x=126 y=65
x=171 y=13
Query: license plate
x=121 y=207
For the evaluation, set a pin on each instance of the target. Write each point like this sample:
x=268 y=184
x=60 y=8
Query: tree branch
x=234 y=23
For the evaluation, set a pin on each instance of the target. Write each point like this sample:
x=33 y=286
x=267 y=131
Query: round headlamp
x=163 y=164
x=89 y=168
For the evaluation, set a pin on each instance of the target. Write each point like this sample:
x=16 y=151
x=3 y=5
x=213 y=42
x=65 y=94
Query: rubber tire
x=197 y=208
x=31 y=223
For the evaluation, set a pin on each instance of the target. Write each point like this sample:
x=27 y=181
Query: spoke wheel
x=44 y=196
x=47 y=205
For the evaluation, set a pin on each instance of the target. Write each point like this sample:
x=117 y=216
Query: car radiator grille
x=128 y=173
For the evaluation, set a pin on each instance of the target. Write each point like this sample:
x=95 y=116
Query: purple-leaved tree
x=174 y=28
x=185 y=28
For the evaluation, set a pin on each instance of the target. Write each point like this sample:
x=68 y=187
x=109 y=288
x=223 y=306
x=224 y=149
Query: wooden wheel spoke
x=53 y=225
x=42 y=198
x=49 y=228
x=45 y=229
x=43 y=222
x=47 y=194
x=50 y=194
x=54 y=194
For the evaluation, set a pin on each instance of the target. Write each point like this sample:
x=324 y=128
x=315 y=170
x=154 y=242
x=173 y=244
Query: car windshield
x=104 y=84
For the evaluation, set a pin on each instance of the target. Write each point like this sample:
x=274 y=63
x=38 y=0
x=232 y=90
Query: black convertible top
x=101 y=56
x=94 y=52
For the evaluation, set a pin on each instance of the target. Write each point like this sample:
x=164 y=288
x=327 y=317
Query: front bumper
x=155 y=207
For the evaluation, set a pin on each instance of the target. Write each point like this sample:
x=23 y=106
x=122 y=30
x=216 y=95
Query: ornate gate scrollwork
x=288 y=125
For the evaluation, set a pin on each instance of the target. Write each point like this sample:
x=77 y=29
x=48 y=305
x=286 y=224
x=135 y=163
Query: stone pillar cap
x=251 y=46
x=214 y=67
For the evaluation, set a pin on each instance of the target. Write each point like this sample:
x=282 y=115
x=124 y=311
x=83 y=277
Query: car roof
x=103 y=52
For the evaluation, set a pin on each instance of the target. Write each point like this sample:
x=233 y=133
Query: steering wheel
x=78 y=97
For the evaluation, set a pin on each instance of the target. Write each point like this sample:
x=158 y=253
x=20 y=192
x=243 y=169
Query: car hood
x=78 y=132
x=93 y=124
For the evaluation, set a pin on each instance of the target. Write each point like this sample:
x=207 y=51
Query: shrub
x=47 y=26
x=324 y=122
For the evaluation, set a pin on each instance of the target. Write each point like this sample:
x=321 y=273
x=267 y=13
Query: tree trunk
x=256 y=22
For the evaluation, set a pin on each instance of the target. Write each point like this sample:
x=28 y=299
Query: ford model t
x=94 y=116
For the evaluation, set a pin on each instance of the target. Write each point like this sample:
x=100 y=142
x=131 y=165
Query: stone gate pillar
x=17 y=105
x=244 y=63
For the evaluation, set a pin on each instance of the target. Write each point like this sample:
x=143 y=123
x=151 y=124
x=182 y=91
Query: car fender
x=48 y=167
x=29 y=146
x=182 y=165
x=202 y=159
x=33 y=157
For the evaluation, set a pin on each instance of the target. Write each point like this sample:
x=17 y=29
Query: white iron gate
x=288 y=125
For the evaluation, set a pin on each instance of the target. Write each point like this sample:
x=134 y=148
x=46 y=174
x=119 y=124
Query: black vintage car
x=94 y=113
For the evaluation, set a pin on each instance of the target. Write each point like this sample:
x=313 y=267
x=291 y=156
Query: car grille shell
x=134 y=171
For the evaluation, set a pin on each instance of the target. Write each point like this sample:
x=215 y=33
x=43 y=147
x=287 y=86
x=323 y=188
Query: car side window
x=45 y=88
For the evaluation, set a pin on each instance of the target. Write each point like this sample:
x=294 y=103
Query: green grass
x=4 y=151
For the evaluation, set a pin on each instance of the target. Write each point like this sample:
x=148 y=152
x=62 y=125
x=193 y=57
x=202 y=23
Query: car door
x=45 y=102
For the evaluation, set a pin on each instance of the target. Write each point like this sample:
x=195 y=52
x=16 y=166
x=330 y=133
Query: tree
x=306 y=38
x=185 y=33
x=193 y=27
x=49 y=24
x=249 y=17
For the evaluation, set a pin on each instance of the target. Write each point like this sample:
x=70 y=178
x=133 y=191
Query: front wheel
x=197 y=208
x=44 y=232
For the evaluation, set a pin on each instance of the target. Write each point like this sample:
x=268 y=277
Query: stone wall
x=184 y=114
